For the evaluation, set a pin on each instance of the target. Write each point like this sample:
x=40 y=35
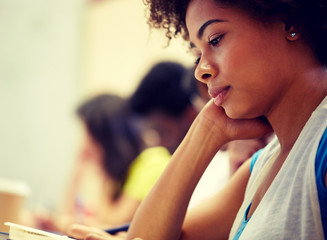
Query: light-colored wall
x=119 y=47
x=39 y=85
x=54 y=54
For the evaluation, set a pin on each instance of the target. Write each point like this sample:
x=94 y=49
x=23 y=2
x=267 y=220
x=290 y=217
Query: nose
x=205 y=71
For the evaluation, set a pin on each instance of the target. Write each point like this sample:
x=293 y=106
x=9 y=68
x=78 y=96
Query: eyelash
x=214 y=43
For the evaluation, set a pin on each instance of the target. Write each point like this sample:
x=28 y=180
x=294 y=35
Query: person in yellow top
x=114 y=170
x=144 y=171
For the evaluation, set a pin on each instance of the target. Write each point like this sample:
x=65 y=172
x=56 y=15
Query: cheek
x=233 y=60
x=246 y=68
x=255 y=78
x=242 y=72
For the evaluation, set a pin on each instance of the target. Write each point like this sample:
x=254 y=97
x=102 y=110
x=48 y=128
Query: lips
x=219 y=94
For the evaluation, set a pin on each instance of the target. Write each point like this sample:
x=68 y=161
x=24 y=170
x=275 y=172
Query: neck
x=296 y=105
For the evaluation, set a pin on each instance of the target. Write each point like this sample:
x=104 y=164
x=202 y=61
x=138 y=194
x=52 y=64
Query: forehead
x=201 y=11
x=197 y=9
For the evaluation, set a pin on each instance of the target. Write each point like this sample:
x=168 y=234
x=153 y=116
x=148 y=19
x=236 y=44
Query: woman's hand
x=214 y=118
x=90 y=233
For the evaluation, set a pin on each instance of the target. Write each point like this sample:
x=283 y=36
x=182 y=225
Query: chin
x=234 y=114
x=231 y=113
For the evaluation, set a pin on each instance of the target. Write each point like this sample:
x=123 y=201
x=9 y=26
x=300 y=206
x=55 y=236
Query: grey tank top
x=290 y=208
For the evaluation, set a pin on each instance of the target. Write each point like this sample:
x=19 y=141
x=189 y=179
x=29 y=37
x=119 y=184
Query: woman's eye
x=214 y=42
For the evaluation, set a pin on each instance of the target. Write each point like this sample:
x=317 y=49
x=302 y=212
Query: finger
x=121 y=234
x=228 y=129
x=75 y=231
x=95 y=236
x=81 y=231
x=260 y=127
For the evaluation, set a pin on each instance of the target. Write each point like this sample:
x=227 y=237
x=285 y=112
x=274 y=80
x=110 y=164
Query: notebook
x=19 y=232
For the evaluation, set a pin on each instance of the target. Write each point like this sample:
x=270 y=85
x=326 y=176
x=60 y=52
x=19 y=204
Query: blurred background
x=53 y=55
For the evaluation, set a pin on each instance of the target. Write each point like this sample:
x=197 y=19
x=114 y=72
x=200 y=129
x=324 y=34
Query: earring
x=292 y=34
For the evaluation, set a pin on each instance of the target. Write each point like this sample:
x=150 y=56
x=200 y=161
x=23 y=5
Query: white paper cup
x=13 y=194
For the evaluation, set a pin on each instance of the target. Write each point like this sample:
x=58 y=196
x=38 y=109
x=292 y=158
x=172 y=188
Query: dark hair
x=107 y=118
x=162 y=89
x=309 y=17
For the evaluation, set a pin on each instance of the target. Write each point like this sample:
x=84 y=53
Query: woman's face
x=244 y=63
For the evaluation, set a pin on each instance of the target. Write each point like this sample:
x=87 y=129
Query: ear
x=291 y=34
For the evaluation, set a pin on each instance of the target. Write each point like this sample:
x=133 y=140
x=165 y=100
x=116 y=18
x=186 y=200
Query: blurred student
x=168 y=99
x=114 y=171
x=165 y=103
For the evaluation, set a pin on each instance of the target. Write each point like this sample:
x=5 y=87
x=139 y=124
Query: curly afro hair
x=308 y=17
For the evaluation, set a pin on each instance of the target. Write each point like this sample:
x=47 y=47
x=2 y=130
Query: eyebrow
x=206 y=24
